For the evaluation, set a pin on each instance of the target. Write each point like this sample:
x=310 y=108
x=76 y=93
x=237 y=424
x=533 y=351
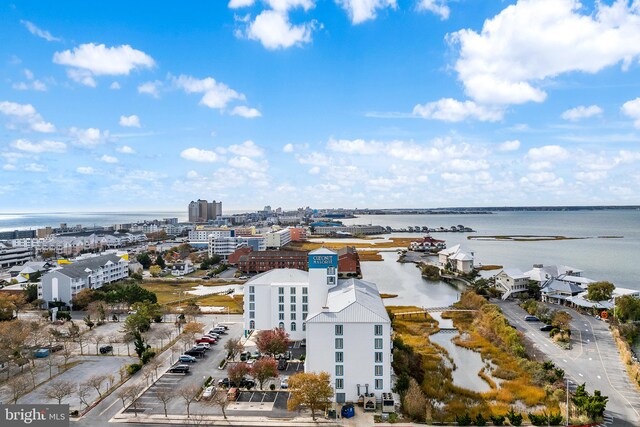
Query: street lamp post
x=568 y=401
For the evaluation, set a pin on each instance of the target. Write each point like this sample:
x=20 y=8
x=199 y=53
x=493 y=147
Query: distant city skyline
x=345 y=103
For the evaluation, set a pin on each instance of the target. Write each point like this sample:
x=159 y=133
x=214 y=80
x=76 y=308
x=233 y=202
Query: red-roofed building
x=234 y=258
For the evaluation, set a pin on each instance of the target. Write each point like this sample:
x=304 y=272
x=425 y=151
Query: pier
x=425 y=229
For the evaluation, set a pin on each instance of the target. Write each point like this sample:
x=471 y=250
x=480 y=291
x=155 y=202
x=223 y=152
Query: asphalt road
x=594 y=360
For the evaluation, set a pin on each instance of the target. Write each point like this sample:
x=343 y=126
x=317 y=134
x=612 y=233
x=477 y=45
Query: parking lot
x=274 y=402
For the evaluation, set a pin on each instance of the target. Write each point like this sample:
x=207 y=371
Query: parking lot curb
x=230 y=420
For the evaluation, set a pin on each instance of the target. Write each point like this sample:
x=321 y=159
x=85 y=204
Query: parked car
x=244 y=383
x=195 y=352
x=56 y=347
x=203 y=345
x=284 y=383
x=244 y=356
x=232 y=394
x=256 y=355
x=225 y=382
x=243 y=277
x=186 y=358
x=208 y=392
x=41 y=352
x=207 y=340
x=530 y=318
x=219 y=330
x=206 y=277
x=106 y=349
x=212 y=335
x=220 y=325
x=546 y=328
x=282 y=364
x=179 y=369
x=303 y=343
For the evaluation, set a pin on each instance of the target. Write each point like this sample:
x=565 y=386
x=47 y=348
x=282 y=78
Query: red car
x=207 y=340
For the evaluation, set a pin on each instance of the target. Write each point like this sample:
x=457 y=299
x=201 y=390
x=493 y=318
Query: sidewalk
x=219 y=420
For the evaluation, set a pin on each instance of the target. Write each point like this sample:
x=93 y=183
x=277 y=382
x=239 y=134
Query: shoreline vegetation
x=535 y=238
x=517 y=382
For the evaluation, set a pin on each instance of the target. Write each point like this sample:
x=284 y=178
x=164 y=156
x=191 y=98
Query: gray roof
x=78 y=268
x=352 y=301
x=515 y=273
x=561 y=286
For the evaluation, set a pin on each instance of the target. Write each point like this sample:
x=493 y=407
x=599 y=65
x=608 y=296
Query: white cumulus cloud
x=547 y=153
x=246 y=112
x=632 y=109
x=581 y=112
x=114 y=86
x=534 y=40
x=25 y=114
x=130 y=121
x=363 y=10
x=41 y=147
x=108 y=159
x=88 y=60
x=35 y=167
x=509 y=145
x=85 y=170
x=273 y=29
x=452 y=110
x=288 y=148
x=214 y=94
x=150 y=88
x=247 y=148
x=199 y=155
x=125 y=149
x=88 y=138
x=438 y=7
x=355 y=146
x=235 y=4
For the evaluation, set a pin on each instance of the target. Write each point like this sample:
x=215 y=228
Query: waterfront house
x=512 y=281
x=542 y=274
x=457 y=259
x=558 y=291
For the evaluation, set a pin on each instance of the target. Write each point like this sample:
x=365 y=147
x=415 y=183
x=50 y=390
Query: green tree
x=561 y=319
x=628 y=308
x=160 y=261
x=140 y=345
x=600 y=291
x=31 y=292
x=137 y=323
x=155 y=270
x=145 y=260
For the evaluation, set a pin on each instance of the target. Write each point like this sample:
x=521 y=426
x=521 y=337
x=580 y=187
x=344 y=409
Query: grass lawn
x=393 y=242
x=234 y=302
x=168 y=291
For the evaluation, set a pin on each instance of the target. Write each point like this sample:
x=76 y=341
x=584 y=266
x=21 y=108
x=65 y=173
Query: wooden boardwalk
x=427 y=310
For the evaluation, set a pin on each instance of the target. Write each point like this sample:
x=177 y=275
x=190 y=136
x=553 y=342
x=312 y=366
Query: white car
x=284 y=383
x=208 y=392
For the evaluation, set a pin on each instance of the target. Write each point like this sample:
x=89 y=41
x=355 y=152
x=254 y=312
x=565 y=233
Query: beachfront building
x=13 y=255
x=512 y=281
x=225 y=246
x=346 y=230
x=345 y=323
x=558 y=291
x=64 y=283
x=543 y=273
x=278 y=239
x=456 y=258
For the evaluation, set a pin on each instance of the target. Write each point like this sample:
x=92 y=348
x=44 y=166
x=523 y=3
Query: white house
x=543 y=273
x=512 y=281
x=456 y=258
x=182 y=268
x=345 y=323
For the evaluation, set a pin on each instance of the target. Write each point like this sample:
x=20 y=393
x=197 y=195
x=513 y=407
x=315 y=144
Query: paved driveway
x=594 y=360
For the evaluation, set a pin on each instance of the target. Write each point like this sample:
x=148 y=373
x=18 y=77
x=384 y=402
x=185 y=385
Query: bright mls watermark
x=34 y=415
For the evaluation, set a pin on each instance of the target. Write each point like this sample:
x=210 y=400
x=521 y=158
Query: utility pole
x=567 y=401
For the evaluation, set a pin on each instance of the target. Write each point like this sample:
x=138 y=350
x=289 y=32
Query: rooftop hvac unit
x=388 y=404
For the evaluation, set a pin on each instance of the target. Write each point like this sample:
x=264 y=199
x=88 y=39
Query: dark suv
x=179 y=369
x=244 y=383
x=106 y=349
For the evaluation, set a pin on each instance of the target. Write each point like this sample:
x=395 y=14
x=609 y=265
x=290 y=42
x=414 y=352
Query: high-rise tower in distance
x=203 y=211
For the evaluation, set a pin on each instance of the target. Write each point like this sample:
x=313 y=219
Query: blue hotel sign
x=323 y=261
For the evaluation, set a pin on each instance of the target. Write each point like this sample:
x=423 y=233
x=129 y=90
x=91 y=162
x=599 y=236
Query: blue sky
x=345 y=103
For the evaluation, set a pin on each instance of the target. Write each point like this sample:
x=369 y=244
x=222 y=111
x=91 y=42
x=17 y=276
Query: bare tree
x=189 y=394
x=51 y=362
x=155 y=364
x=147 y=372
x=165 y=395
x=164 y=334
x=132 y=393
x=111 y=380
x=58 y=390
x=17 y=386
x=96 y=382
x=219 y=399
x=97 y=339
x=233 y=347
x=66 y=355
x=124 y=395
x=122 y=372
x=84 y=390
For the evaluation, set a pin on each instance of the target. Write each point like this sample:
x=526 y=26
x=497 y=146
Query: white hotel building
x=345 y=323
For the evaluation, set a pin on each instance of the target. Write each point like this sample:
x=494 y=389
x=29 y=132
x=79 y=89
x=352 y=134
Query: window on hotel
x=252 y=289
x=281 y=325
x=293 y=307
x=293 y=291
x=281 y=299
x=338 y=329
x=280 y=316
x=281 y=291
x=339 y=370
x=339 y=343
x=252 y=324
x=331 y=270
x=378 y=370
x=378 y=384
x=293 y=326
x=339 y=383
x=252 y=315
x=305 y=308
x=252 y=306
x=281 y=307
x=293 y=299
x=331 y=280
x=377 y=329
x=305 y=299
x=378 y=343
x=305 y=291
x=339 y=357
x=252 y=297
x=293 y=316
x=304 y=326
x=378 y=358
